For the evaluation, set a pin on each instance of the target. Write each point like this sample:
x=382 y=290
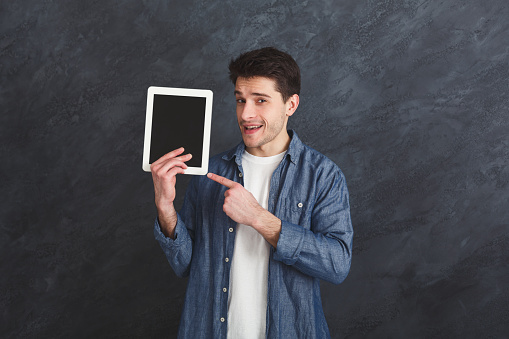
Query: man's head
x=268 y=63
x=267 y=86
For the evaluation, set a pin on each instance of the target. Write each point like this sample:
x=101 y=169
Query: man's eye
x=262 y=100
x=240 y=101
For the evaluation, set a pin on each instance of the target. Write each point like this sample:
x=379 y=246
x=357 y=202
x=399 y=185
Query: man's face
x=262 y=115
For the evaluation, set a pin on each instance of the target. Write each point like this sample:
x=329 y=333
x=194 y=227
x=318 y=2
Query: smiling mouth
x=251 y=129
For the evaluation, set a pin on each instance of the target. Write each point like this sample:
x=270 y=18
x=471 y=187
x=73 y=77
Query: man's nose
x=248 y=111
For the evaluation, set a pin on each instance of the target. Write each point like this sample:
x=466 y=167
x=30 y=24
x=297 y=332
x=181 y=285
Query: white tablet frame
x=203 y=93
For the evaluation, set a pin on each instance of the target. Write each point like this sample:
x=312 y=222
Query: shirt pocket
x=297 y=211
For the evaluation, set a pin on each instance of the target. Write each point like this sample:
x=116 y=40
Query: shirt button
x=224 y=289
x=227 y=259
x=222 y=319
x=230 y=229
x=300 y=205
x=240 y=174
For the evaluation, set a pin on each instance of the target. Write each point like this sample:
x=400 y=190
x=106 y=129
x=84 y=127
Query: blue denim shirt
x=308 y=193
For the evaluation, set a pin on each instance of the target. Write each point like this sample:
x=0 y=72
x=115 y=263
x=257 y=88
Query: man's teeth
x=253 y=127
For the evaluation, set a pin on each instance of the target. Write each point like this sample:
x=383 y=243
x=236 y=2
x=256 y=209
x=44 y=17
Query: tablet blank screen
x=177 y=121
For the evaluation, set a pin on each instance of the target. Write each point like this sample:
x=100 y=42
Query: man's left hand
x=241 y=206
x=239 y=203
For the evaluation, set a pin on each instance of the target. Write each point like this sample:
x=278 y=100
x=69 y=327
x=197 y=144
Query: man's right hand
x=164 y=172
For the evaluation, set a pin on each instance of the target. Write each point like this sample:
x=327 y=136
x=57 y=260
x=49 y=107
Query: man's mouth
x=252 y=128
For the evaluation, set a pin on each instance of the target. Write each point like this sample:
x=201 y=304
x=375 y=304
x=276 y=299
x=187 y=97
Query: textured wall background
x=409 y=97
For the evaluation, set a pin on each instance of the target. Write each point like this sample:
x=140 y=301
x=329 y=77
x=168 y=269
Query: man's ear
x=291 y=104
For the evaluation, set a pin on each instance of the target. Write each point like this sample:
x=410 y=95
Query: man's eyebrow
x=261 y=95
x=256 y=94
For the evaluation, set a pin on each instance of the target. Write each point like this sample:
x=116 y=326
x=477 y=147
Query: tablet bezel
x=187 y=92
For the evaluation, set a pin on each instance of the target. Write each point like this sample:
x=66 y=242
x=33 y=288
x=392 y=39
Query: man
x=270 y=220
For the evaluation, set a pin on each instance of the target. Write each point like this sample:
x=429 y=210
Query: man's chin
x=251 y=142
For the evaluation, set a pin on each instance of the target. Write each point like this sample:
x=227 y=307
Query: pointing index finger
x=221 y=180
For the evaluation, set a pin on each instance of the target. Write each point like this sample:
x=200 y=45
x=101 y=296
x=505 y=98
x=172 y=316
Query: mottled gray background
x=409 y=98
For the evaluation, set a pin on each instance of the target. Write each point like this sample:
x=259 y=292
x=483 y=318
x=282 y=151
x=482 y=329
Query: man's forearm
x=269 y=226
x=167 y=218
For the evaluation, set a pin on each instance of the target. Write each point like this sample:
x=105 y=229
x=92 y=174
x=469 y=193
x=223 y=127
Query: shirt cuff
x=290 y=243
x=166 y=241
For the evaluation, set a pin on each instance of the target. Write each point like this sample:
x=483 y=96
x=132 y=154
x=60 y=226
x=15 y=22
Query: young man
x=269 y=221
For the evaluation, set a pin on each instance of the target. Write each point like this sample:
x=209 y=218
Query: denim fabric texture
x=308 y=193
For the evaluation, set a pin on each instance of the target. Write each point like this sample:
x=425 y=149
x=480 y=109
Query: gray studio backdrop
x=409 y=98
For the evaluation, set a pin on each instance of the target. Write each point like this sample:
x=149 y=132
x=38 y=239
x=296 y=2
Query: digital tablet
x=178 y=117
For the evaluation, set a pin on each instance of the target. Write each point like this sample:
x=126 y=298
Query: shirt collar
x=293 y=152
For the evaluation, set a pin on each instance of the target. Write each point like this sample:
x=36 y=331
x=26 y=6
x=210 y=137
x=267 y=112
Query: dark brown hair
x=270 y=63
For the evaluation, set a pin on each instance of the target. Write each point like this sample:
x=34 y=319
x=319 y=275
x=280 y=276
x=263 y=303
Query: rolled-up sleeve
x=178 y=251
x=324 y=251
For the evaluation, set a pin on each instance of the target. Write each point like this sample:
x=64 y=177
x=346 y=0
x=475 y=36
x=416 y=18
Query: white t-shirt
x=247 y=299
